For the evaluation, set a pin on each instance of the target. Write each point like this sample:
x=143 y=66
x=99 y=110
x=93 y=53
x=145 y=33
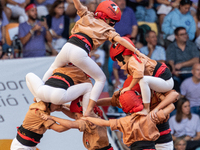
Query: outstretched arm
x=58 y=128
x=168 y=99
x=66 y=111
x=167 y=110
x=104 y=101
x=64 y=122
x=126 y=44
x=78 y=4
x=97 y=121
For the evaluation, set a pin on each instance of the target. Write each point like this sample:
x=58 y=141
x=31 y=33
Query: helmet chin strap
x=120 y=58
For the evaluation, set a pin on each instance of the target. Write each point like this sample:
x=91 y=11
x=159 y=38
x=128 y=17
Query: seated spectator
x=70 y=9
x=189 y=89
x=144 y=10
x=179 y=17
x=58 y=24
x=193 y=8
x=128 y=23
x=43 y=7
x=181 y=55
x=152 y=50
x=92 y=4
x=184 y=124
x=33 y=34
x=118 y=76
x=197 y=20
x=164 y=7
x=180 y=144
x=6 y=50
x=7 y=10
x=18 y=9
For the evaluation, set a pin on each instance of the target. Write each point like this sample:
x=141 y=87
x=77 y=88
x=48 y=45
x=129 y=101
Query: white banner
x=15 y=99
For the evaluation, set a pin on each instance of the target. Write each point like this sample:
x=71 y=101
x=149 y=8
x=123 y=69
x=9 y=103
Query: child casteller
x=89 y=32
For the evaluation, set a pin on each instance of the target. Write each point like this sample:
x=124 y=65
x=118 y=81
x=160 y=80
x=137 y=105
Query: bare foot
x=90 y=114
x=143 y=112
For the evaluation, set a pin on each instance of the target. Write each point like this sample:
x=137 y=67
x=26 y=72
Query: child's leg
x=156 y=84
x=78 y=56
x=60 y=96
x=34 y=82
x=80 y=59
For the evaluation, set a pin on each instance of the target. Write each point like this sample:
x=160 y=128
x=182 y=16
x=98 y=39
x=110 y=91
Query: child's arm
x=78 y=4
x=167 y=110
x=132 y=84
x=97 y=121
x=126 y=44
x=64 y=122
x=104 y=101
x=58 y=128
x=67 y=112
x=170 y=98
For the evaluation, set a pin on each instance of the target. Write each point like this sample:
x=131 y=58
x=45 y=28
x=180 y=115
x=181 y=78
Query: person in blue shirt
x=179 y=17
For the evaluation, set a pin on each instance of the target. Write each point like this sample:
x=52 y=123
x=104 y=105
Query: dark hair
x=179 y=113
x=54 y=5
x=178 y=29
x=185 y=2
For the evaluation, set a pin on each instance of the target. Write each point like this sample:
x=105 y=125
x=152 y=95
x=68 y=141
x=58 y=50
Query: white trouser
x=18 y=11
x=42 y=11
x=57 y=96
x=154 y=83
x=16 y=145
x=79 y=57
x=165 y=146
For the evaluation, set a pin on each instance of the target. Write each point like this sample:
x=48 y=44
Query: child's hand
x=154 y=116
x=45 y=116
x=124 y=90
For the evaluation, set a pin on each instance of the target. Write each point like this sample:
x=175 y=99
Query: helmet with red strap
x=76 y=107
x=131 y=101
x=117 y=49
x=108 y=9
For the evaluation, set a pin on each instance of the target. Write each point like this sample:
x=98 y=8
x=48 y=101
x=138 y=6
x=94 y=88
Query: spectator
x=118 y=76
x=70 y=9
x=181 y=55
x=6 y=50
x=179 y=17
x=18 y=9
x=128 y=23
x=43 y=7
x=144 y=10
x=92 y=5
x=193 y=8
x=180 y=144
x=184 y=124
x=197 y=20
x=58 y=24
x=164 y=7
x=152 y=50
x=189 y=89
x=7 y=10
x=33 y=34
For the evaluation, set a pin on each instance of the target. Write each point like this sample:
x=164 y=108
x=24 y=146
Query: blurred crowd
x=165 y=30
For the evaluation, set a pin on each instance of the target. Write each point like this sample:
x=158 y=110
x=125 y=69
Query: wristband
x=31 y=31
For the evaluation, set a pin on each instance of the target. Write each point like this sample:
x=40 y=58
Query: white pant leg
x=165 y=146
x=156 y=84
x=58 y=96
x=16 y=145
x=78 y=56
x=18 y=12
x=42 y=11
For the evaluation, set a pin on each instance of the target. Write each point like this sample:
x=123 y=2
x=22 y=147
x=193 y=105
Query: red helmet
x=117 y=48
x=108 y=9
x=76 y=107
x=131 y=101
